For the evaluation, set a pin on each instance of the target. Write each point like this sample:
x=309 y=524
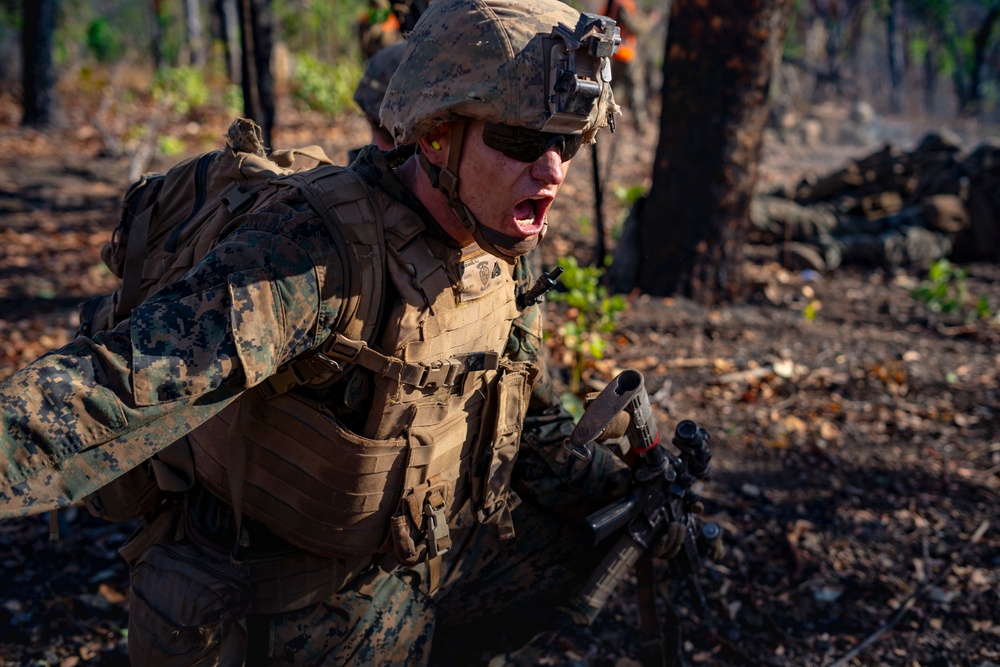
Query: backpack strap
x=344 y=204
x=135 y=255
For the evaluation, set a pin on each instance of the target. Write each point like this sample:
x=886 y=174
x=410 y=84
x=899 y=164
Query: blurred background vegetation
x=902 y=56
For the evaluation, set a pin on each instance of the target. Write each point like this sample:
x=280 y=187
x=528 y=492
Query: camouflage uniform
x=629 y=64
x=371 y=90
x=378 y=27
x=270 y=292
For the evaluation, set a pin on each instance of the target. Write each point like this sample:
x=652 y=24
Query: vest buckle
x=441 y=374
x=342 y=348
x=438 y=535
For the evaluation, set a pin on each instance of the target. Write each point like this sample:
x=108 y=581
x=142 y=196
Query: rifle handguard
x=605 y=579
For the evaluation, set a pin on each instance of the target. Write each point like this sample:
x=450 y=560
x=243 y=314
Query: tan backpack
x=169 y=221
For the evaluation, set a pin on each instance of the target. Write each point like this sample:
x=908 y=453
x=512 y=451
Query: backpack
x=169 y=221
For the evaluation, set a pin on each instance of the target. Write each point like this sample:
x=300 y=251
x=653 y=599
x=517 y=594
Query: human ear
x=436 y=143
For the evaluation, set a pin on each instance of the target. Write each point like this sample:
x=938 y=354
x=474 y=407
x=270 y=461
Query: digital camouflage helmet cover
x=534 y=64
x=375 y=79
x=538 y=64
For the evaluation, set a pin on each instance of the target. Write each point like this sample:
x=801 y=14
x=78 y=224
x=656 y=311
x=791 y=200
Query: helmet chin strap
x=504 y=246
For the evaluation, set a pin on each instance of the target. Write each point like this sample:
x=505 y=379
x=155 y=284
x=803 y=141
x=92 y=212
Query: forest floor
x=855 y=432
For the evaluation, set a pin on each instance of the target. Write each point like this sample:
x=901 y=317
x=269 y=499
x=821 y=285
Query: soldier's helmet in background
x=375 y=80
x=537 y=64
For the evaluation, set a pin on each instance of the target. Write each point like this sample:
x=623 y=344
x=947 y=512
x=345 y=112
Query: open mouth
x=531 y=212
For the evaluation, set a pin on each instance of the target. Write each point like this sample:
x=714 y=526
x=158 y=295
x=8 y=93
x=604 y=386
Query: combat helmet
x=534 y=64
x=371 y=89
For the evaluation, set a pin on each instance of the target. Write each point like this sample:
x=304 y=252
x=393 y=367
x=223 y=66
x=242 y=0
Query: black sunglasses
x=526 y=145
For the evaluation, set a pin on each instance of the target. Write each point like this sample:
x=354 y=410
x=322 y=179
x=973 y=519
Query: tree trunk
x=156 y=34
x=894 y=29
x=38 y=74
x=194 y=34
x=227 y=26
x=691 y=228
x=930 y=78
x=256 y=40
x=978 y=58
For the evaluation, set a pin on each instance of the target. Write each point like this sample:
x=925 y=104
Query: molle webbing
x=306 y=478
x=336 y=493
x=344 y=204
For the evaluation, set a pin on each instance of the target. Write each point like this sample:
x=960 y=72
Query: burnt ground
x=855 y=432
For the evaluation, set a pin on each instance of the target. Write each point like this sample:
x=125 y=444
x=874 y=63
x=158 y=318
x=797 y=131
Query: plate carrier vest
x=445 y=423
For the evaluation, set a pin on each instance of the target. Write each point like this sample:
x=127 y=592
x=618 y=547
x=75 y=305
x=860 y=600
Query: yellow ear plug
x=435 y=145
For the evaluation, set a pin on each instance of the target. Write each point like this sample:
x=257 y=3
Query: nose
x=549 y=168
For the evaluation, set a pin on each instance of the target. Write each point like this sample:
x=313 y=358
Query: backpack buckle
x=235 y=199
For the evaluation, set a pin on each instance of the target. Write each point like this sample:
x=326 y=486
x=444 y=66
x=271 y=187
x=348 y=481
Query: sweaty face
x=508 y=198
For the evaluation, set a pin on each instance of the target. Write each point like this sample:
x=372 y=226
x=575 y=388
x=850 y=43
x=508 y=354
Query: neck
x=417 y=181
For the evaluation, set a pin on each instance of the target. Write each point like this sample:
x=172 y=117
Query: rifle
x=661 y=511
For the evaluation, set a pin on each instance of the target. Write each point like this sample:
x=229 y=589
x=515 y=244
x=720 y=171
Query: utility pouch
x=420 y=529
x=496 y=452
x=164 y=525
x=188 y=607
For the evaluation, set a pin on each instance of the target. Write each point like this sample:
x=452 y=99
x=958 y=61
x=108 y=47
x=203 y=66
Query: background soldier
x=371 y=90
x=629 y=63
x=404 y=496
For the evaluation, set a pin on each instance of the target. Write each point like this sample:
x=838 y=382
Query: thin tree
x=980 y=42
x=939 y=18
x=690 y=229
x=256 y=42
x=38 y=74
x=156 y=33
x=226 y=27
x=897 y=58
x=194 y=34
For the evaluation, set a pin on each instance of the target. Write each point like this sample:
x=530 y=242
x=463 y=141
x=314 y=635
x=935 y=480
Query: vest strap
x=338 y=352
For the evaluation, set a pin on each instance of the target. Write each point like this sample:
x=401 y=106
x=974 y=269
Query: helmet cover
x=538 y=64
x=379 y=69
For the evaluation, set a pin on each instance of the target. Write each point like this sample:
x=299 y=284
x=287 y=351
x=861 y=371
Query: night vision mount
x=578 y=67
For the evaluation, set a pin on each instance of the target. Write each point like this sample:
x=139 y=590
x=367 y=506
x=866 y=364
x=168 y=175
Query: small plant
x=946 y=291
x=103 y=41
x=171 y=146
x=232 y=98
x=182 y=88
x=592 y=314
x=811 y=309
x=627 y=196
x=319 y=86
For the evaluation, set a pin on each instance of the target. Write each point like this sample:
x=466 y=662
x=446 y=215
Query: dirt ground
x=854 y=431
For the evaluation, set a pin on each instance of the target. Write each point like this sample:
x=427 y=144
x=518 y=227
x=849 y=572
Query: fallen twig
x=912 y=599
x=749 y=375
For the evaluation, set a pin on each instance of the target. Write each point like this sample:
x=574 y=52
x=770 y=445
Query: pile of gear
x=890 y=208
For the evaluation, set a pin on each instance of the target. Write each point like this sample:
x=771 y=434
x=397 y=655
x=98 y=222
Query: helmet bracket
x=579 y=66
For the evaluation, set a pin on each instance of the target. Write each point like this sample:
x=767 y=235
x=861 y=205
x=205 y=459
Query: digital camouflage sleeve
x=83 y=414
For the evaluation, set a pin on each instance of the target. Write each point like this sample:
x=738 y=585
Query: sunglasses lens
x=525 y=145
x=572 y=145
